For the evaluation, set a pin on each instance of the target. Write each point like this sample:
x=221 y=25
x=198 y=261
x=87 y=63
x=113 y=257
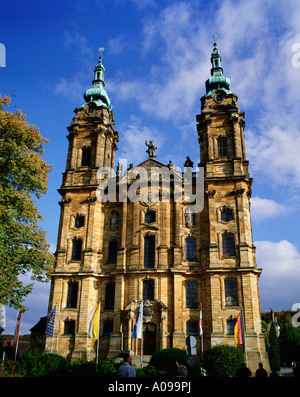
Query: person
x=243 y=371
x=126 y=369
x=261 y=372
x=182 y=371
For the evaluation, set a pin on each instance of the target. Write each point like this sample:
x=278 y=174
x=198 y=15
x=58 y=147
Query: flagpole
x=142 y=308
x=245 y=348
x=201 y=330
x=98 y=340
x=53 y=328
x=18 y=332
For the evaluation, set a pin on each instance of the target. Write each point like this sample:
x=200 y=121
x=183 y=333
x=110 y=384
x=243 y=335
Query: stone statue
x=114 y=220
x=151 y=149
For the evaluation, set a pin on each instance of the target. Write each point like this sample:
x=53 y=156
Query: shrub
x=167 y=359
x=223 y=360
x=36 y=364
x=107 y=368
x=149 y=372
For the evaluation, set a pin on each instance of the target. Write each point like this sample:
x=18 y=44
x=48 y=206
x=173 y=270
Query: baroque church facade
x=124 y=252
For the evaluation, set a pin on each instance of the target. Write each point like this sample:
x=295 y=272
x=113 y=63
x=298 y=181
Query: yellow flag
x=94 y=322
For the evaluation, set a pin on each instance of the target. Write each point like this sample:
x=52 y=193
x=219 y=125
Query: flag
x=138 y=326
x=18 y=325
x=200 y=321
x=50 y=326
x=239 y=329
x=94 y=322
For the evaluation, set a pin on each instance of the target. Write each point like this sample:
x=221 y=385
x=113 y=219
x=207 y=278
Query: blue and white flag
x=50 y=326
x=138 y=326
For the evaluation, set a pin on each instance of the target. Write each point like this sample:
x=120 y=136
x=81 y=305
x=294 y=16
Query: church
x=151 y=248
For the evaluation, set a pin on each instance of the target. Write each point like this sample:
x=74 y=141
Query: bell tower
x=227 y=251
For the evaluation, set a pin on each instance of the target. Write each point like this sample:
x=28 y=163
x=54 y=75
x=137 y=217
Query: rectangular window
x=79 y=221
x=148 y=289
x=113 y=251
x=228 y=245
x=110 y=296
x=231 y=292
x=86 y=157
x=72 y=295
x=76 y=250
x=190 y=248
x=230 y=327
x=149 y=252
x=192 y=328
x=69 y=328
x=191 y=294
x=222 y=147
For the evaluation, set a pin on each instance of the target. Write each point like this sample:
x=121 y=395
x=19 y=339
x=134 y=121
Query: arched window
x=222 y=147
x=149 y=252
x=231 y=298
x=228 y=244
x=72 y=295
x=190 y=248
x=148 y=289
x=76 y=249
x=79 y=221
x=112 y=251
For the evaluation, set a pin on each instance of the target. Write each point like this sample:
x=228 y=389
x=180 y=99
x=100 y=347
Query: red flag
x=200 y=321
x=239 y=329
x=17 y=329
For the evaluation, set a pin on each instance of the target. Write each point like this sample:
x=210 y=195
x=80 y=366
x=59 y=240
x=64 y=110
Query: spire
x=97 y=93
x=217 y=81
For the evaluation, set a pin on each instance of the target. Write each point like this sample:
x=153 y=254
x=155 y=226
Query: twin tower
x=155 y=251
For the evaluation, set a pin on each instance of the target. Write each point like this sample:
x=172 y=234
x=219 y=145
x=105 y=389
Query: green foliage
x=35 y=364
x=23 y=174
x=165 y=360
x=107 y=368
x=223 y=360
x=274 y=353
x=149 y=372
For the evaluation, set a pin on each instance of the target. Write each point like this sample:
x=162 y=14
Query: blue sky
x=157 y=58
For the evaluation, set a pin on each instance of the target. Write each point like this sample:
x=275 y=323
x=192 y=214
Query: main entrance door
x=149 y=336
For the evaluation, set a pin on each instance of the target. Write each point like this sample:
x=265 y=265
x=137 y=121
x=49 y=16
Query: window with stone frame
x=228 y=245
x=110 y=296
x=79 y=221
x=192 y=328
x=190 y=248
x=86 y=157
x=112 y=251
x=191 y=297
x=72 y=295
x=231 y=297
x=69 y=327
x=230 y=326
x=149 y=252
x=222 y=147
x=226 y=214
x=76 y=249
x=150 y=216
x=108 y=328
x=148 y=289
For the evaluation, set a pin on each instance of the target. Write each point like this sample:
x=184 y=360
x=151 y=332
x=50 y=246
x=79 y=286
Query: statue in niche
x=189 y=218
x=119 y=169
x=114 y=220
x=151 y=149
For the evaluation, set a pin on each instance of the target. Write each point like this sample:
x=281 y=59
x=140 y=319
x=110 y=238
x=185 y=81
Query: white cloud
x=262 y=209
x=279 y=282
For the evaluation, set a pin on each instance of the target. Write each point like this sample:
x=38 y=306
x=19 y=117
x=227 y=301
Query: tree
x=223 y=360
x=23 y=175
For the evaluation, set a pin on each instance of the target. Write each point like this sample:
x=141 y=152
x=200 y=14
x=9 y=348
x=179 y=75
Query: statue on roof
x=151 y=149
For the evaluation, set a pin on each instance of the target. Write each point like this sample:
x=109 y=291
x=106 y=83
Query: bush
x=149 y=372
x=223 y=360
x=165 y=360
x=36 y=364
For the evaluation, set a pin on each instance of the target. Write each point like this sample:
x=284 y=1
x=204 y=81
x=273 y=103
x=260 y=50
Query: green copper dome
x=217 y=80
x=97 y=93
